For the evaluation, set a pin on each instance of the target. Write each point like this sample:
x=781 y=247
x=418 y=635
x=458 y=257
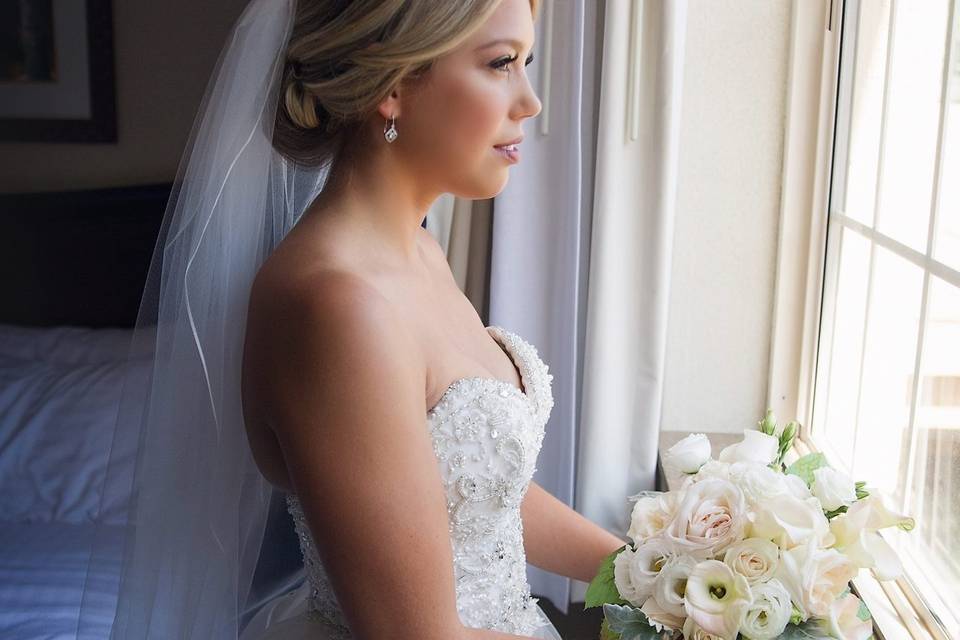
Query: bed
x=72 y=269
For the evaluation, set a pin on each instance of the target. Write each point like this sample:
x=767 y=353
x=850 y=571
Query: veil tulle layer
x=192 y=555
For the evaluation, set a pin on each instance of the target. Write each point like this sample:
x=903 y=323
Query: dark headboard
x=77 y=258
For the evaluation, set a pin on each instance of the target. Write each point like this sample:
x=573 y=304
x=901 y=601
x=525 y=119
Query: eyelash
x=502 y=64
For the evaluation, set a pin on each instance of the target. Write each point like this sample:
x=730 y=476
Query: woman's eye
x=504 y=63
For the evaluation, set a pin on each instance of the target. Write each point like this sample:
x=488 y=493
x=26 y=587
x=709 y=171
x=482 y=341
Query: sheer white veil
x=192 y=561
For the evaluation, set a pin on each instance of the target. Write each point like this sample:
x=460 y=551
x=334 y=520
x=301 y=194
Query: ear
x=389 y=107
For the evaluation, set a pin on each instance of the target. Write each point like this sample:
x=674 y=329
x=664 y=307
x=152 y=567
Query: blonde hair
x=346 y=56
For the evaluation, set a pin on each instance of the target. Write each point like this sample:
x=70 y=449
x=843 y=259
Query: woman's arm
x=560 y=540
x=345 y=386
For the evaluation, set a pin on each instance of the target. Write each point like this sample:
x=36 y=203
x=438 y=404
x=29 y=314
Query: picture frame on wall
x=57 y=80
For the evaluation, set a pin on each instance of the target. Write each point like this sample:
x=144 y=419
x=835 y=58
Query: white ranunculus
x=635 y=571
x=717 y=598
x=755 y=559
x=650 y=515
x=814 y=577
x=768 y=613
x=755 y=447
x=689 y=454
x=843 y=622
x=856 y=536
x=692 y=632
x=833 y=488
x=710 y=517
x=671 y=583
x=790 y=521
x=622 y=578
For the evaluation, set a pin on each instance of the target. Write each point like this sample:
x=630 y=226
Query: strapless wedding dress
x=486 y=436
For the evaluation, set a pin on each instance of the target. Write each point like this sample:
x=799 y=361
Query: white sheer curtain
x=540 y=226
x=629 y=284
x=581 y=250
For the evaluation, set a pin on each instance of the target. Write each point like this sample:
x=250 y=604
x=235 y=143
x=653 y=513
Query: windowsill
x=893 y=617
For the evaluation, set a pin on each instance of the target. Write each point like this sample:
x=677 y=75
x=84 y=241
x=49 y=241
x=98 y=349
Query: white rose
x=814 y=578
x=692 y=632
x=790 y=521
x=650 y=515
x=717 y=598
x=755 y=447
x=689 y=454
x=768 y=614
x=711 y=516
x=856 y=536
x=834 y=489
x=712 y=469
x=755 y=559
x=758 y=481
x=797 y=487
x=634 y=571
x=843 y=622
x=670 y=585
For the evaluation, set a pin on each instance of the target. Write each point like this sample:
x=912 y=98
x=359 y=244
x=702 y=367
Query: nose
x=530 y=104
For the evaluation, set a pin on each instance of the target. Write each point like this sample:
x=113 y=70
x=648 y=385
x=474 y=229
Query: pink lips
x=511 y=153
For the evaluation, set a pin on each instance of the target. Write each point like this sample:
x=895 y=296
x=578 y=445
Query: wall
x=734 y=97
x=164 y=53
x=734 y=100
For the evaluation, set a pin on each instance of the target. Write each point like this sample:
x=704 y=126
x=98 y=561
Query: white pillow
x=59 y=394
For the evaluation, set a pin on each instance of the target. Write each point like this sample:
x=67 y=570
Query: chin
x=483 y=190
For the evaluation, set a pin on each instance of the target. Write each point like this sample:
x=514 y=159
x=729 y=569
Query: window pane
x=933 y=548
x=912 y=121
x=846 y=344
x=881 y=444
x=947 y=242
x=867 y=109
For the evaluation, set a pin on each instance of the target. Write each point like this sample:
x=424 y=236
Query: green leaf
x=805 y=466
x=863 y=612
x=603 y=588
x=629 y=622
x=606 y=633
x=809 y=630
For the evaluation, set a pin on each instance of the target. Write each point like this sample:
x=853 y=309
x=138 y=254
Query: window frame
x=813 y=78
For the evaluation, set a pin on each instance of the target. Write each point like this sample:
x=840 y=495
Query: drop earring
x=391 y=133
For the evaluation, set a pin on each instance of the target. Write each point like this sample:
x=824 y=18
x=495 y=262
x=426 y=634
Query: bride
x=297 y=294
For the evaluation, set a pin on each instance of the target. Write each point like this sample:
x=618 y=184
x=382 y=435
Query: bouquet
x=747 y=547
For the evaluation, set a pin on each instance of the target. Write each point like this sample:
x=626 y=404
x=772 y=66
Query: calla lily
x=717 y=598
x=856 y=536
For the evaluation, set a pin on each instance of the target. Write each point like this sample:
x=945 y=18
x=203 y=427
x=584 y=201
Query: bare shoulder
x=331 y=325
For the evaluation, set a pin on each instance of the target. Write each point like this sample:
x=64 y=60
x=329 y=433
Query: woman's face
x=474 y=98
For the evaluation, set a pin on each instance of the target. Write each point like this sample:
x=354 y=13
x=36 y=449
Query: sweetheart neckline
x=459 y=382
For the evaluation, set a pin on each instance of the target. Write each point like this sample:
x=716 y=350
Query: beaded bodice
x=486 y=436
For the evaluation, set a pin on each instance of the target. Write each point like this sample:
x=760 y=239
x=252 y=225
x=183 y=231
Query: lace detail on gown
x=486 y=435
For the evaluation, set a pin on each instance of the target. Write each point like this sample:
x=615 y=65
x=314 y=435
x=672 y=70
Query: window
x=886 y=401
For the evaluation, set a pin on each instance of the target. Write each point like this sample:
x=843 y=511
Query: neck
x=381 y=200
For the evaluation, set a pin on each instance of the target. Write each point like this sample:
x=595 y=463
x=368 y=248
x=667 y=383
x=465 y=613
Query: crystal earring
x=391 y=133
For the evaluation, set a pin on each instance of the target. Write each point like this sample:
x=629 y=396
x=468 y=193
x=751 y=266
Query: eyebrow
x=516 y=43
